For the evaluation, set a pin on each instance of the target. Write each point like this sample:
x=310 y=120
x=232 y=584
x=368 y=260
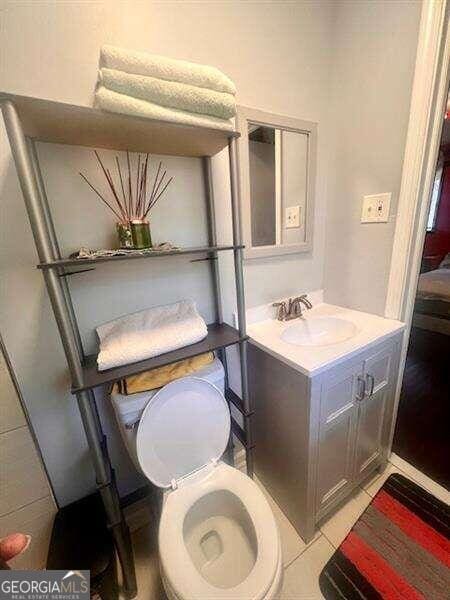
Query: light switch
x=292 y=217
x=375 y=208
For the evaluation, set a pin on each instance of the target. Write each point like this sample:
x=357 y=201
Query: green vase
x=124 y=235
x=140 y=233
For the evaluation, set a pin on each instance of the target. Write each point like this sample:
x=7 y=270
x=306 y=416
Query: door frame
x=428 y=104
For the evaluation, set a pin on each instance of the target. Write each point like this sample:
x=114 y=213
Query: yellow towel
x=156 y=378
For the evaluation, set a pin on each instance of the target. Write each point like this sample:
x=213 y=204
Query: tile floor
x=302 y=562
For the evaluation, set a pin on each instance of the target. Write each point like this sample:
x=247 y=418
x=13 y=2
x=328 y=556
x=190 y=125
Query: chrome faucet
x=281 y=310
x=292 y=308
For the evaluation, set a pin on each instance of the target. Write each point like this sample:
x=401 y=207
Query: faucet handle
x=304 y=299
x=282 y=310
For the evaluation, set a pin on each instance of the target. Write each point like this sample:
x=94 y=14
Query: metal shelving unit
x=33 y=119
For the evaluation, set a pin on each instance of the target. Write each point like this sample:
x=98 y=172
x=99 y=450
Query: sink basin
x=319 y=331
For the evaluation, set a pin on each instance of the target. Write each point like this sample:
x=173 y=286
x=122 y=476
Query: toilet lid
x=183 y=427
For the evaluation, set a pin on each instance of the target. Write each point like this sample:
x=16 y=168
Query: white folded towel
x=121 y=103
x=170 y=69
x=171 y=94
x=148 y=333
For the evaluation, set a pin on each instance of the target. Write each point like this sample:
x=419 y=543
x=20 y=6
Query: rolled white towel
x=170 y=69
x=127 y=105
x=148 y=333
x=171 y=94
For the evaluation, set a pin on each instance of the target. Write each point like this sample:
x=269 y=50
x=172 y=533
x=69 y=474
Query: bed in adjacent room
x=432 y=305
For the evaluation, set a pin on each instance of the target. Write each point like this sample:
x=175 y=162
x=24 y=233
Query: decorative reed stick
x=129 y=206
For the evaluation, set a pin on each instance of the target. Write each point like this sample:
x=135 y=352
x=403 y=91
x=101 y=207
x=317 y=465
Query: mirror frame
x=246 y=115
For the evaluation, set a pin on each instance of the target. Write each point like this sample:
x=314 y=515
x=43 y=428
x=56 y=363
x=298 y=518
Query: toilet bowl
x=218 y=538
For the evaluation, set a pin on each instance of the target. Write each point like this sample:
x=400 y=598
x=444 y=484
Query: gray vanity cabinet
x=379 y=376
x=337 y=433
x=317 y=438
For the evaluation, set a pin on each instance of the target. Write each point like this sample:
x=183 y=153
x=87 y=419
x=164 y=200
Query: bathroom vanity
x=322 y=390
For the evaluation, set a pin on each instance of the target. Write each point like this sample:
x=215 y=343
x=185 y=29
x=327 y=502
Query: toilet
x=218 y=538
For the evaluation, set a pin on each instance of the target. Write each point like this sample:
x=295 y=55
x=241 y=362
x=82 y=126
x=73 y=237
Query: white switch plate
x=375 y=208
x=292 y=217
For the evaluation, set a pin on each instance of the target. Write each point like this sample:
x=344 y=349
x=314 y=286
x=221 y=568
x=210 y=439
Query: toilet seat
x=178 y=569
x=182 y=434
x=185 y=426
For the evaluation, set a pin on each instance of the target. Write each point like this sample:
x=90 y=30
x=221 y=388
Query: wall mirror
x=277 y=156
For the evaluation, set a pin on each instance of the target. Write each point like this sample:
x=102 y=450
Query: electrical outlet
x=292 y=217
x=375 y=208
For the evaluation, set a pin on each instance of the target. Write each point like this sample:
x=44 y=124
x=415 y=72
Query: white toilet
x=218 y=538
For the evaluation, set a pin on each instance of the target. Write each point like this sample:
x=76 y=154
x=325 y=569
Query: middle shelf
x=220 y=335
x=76 y=262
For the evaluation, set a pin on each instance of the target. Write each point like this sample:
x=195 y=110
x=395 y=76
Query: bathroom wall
x=26 y=500
x=57 y=58
x=346 y=65
x=373 y=67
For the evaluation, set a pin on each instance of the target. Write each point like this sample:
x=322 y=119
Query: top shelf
x=61 y=123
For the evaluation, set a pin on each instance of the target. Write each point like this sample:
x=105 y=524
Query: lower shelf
x=220 y=335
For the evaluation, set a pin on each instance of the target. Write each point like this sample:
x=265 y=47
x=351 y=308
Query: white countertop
x=311 y=360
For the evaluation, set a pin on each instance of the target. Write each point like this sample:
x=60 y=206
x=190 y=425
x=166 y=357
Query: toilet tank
x=129 y=408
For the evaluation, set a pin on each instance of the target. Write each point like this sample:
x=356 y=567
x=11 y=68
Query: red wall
x=437 y=242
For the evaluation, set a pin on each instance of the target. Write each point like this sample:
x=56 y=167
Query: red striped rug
x=399 y=549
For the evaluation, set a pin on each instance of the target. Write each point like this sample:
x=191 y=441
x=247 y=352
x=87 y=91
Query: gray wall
x=50 y=49
x=373 y=67
x=26 y=500
x=284 y=58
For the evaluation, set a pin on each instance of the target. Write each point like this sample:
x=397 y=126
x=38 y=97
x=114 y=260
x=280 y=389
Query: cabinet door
x=337 y=434
x=372 y=411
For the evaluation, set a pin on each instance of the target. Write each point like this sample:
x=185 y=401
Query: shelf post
x=39 y=227
x=215 y=274
x=212 y=235
x=46 y=245
x=240 y=297
x=53 y=240
x=108 y=492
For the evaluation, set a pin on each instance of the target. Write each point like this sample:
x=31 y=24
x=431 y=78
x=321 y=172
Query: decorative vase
x=140 y=233
x=124 y=235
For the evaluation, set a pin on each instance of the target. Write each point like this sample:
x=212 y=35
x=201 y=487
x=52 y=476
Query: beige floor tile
x=239 y=457
x=140 y=514
x=337 y=526
x=145 y=548
x=291 y=543
x=373 y=485
x=301 y=578
x=420 y=478
x=147 y=565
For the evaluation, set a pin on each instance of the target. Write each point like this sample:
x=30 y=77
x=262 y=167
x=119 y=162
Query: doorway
x=422 y=431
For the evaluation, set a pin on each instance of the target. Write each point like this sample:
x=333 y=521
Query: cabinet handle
x=362 y=388
x=371 y=378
